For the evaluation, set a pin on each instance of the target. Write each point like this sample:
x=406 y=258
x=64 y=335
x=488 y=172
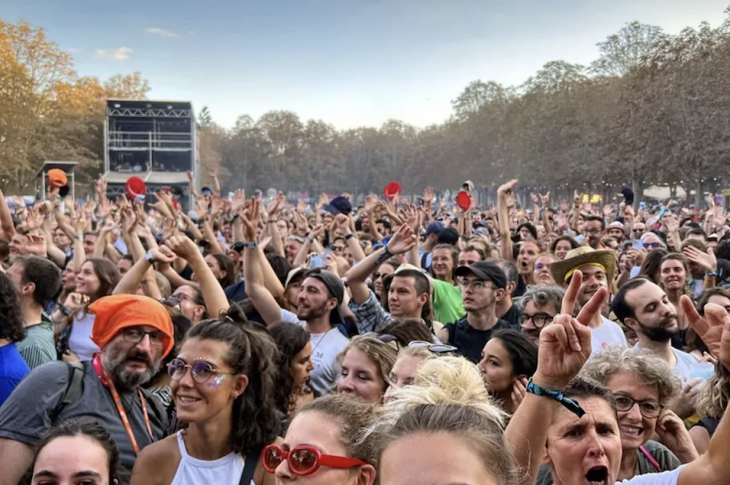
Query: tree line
x=653 y=108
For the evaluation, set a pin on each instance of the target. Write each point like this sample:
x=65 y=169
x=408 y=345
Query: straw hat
x=582 y=256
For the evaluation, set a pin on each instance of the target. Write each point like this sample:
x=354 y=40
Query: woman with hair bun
x=443 y=429
x=223 y=387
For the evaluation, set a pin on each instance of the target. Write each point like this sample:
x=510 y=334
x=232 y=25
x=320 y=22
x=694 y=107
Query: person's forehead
x=598 y=411
x=672 y=263
x=403 y=282
x=644 y=294
x=466 y=254
x=316 y=429
x=591 y=270
x=311 y=281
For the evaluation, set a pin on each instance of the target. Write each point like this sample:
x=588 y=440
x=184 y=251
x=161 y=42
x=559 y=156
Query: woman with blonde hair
x=443 y=429
x=405 y=369
x=366 y=364
x=711 y=403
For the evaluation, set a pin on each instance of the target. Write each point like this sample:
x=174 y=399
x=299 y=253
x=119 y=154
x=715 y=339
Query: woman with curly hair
x=223 y=386
x=711 y=403
x=12 y=365
x=294 y=365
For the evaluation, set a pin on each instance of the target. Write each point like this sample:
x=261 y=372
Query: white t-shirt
x=325 y=349
x=688 y=368
x=607 y=335
x=664 y=478
x=79 y=342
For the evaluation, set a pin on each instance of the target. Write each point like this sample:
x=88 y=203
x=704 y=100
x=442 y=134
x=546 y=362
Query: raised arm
x=6 y=219
x=131 y=281
x=253 y=274
x=504 y=193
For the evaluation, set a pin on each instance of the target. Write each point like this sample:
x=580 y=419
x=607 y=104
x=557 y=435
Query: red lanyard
x=96 y=362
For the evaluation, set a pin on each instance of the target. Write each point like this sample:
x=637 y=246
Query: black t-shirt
x=469 y=341
x=512 y=316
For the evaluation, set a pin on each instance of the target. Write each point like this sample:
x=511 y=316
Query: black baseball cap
x=334 y=286
x=339 y=205
x=485 y=271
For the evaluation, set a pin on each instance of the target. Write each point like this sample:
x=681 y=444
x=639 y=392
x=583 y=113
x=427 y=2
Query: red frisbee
x=136 y=188
x=463 y=200
x=392 y=190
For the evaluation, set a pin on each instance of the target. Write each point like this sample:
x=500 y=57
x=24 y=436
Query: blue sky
x=348 y=62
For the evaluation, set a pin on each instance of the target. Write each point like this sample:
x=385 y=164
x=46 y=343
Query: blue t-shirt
x=12 y=370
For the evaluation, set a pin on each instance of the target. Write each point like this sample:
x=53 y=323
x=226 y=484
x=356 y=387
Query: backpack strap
x=73 y=391
x=249 y=466
x=651 y=459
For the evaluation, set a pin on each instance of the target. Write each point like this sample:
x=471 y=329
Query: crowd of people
x=263 y=341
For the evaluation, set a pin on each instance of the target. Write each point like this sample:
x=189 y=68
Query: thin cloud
x=160 y=32
x=119 y=54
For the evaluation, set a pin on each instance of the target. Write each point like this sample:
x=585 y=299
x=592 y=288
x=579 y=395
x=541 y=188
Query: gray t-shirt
x=26 y=415
x=325 y=349
x=38 y=347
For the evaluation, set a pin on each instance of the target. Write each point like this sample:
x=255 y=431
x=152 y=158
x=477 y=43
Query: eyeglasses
x=304 y=460
x=338 y=249
x=202 y=371
x=648 y=409
x=540 y=266
x=476 y=285
x=652 y=245
x=135 y=335
x=591 y=231
x=538 y=319
x=435 y=348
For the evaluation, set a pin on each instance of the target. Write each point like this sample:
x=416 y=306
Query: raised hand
x=402 y=241
x=162 y=254
x=37 y=245
x=545 y=199
x=250 y=220
x=534 y=198
x=76 y=301
x=202 y=206
x=505 y=189
x=565 y=345
x=713 y=328
x=607 y=209
x=674 y=435
x=706 y=261
x=183 y=247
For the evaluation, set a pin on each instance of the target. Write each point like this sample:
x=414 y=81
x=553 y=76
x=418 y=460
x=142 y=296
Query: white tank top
x=223 y=471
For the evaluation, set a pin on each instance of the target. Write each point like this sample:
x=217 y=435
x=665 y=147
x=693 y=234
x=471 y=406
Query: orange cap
x=57 y=178
x=113 y=313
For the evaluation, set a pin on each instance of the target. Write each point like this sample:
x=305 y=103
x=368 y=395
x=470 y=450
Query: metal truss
x=148 y=112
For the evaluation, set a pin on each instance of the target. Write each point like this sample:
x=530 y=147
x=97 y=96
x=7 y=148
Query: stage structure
x=156 y=141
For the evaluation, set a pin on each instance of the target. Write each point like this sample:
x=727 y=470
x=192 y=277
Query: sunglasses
x=386 y=338
x=540 y=266
x=338 y=249
x=435 y=348
x=304 y=460
x=202 y=371
x=651 y=245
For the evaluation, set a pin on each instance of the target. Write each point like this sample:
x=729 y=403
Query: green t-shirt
x=447 y=303
x=38 y=347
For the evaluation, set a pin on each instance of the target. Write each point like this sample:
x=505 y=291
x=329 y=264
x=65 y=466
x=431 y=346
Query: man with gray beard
x=134 y=333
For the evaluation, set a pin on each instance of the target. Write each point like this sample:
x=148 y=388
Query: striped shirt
x=38 y=347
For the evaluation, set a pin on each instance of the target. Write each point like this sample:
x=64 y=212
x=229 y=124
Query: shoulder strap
x=651 y=459
x=73 y=389
x=249 y=467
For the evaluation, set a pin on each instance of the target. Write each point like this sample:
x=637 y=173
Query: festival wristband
x=711 y=273
x=566 y=402
x=149 y=258
x=383 y=257
x=250 y=245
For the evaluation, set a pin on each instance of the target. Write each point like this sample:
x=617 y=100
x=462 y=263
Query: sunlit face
x=526 y=258
x=561 y=249
x=301 y=366
x=654 y=315
x=72 y=460
x=496 y=366
x=402 y=374
x=433 y=459
x=186 y=296
x=542 y=272
x=673 y=276
x=200 y=401
x=594 y=278
x=403 y=299
x=313 y=428
x=87 y=282
x=89 y=244
x=636 y=429
x=314 y=300
x=584 y=450
x=442 y=263
x=18 y=245
x=467 y=258
x=360 y=377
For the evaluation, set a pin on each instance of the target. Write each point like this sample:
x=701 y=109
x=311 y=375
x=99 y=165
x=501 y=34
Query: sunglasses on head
x=386 y=338
x=435 y=348
x=304 y=460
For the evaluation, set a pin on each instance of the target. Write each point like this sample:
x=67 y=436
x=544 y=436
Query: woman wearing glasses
x=642 y=385
x=366 y=364
x=325 y=445
x=223 y=387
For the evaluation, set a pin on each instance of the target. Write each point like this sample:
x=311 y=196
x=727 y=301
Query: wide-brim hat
x=583 y=256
